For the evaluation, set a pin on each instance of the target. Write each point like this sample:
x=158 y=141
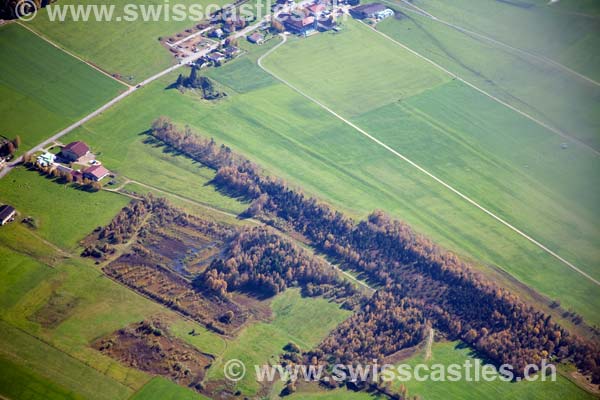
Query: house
x=218 y=33
x=256 y=38
x=299 y=24
x=45 y=160
x=216 y=57
x=231 y=51
x=74 y=151
x=373 y=10
x=96 y=173
x=7 y=214
x=316 y=9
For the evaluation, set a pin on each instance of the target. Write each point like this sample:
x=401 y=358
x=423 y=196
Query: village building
x=256 y=38
x=316 y=9
x=45 y=160
x=7 y=214
x=231 y=51
x=216 y=57
x=299 y=24
x=373 y=10
x=96 y=173
x=74 y=151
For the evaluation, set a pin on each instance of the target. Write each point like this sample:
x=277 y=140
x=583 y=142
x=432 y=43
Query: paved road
x=423 y=170
x=129 y=91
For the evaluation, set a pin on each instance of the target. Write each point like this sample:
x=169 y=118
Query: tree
x=10 y=148
x=17 y=141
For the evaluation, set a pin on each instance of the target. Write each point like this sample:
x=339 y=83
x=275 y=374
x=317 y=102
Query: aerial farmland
x=301 y=199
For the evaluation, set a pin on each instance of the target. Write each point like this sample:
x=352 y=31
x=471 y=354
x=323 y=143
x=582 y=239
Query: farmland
x=35 y=95
x=294 y=139
x=447 y=353
x=110 y=295
x=261 y=343
x=129 y=49
x=536 y=86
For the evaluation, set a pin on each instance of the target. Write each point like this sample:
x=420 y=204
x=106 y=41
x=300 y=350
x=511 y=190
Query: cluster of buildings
x=321 y=16
x=75 y=153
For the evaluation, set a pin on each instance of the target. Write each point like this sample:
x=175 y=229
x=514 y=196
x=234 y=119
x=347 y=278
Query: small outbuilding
x=256 y=38
x=96 y=173
x=7 y=214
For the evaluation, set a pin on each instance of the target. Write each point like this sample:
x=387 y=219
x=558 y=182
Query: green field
x=520 y=173
x=16 y=382
x=64 y=214
x=129 y=49
x=304 y=321
x=162 y=389
x=43 y=89
x=452 y=353
x=535 y=86
x=293 y=138
x=565 y=32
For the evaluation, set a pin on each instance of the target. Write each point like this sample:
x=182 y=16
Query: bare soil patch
x=147 y=346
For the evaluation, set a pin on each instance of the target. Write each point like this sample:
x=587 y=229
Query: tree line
x=447 y=292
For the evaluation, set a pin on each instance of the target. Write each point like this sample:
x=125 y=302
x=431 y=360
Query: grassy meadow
x=128 y=48
x=304 y=321
x=564 y=31
x=536 y=86
x=448 y=353
x=295 y=139
x=64 y=214
x=43 y=89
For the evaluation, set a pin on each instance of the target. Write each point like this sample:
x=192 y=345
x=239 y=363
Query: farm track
x=129 y=91
x=415 y=165
x=529 y=54
x=496 y=99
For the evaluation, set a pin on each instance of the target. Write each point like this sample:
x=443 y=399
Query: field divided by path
x=129 y=49
x=295 y=139
x=43 y=89
x=539 y=88
x=464 y=157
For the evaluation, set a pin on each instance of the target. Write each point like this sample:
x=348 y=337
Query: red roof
x=315 y=8
x=78 y=148
x=97 y=171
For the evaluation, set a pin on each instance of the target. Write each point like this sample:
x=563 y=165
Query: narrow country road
x=128 y=92
x=412 y=163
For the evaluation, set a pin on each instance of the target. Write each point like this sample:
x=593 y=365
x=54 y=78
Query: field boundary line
x=47 y=40
x=541 y=58
x=496 y=99
x=423 y=170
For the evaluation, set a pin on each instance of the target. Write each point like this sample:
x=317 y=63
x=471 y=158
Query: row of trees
x=447 y=292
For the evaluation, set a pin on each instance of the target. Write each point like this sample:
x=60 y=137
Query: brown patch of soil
x=147 y=346
x=57 y=309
